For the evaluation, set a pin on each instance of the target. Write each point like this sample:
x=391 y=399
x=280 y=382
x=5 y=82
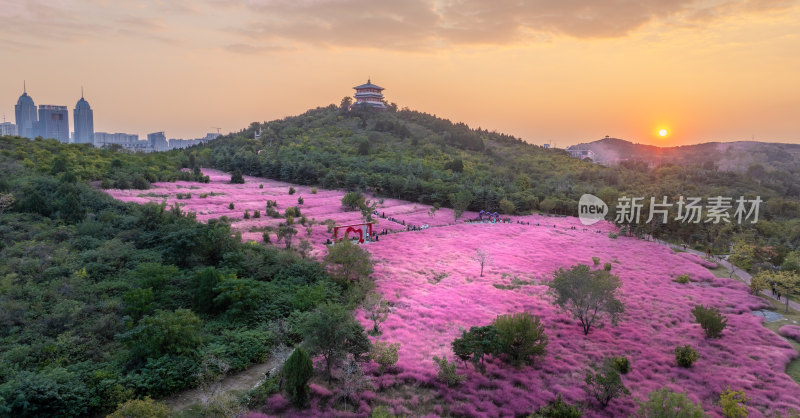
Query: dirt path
x=244 y=380
x=745 y=276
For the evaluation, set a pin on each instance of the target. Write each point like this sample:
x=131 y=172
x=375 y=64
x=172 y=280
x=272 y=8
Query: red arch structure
x=364 y=232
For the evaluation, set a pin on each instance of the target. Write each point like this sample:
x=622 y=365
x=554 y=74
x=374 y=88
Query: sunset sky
x=558 y=71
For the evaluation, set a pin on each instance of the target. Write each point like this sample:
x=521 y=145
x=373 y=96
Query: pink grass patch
x=435 y=290
x=790 y=331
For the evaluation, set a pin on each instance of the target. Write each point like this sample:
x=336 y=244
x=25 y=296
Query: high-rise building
x=8 y=128
x=84 y=122
x=105 y=138
x=54 y=122
x=25 y=112
x=158 y=141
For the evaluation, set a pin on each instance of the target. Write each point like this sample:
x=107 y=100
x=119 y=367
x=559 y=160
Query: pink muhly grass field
x=428 y=314
x=790 y=331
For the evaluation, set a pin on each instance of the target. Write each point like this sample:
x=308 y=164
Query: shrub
x=257 y=214
x=558 y=409
x=141 y=408
x=621 y=363
x=300 y=200
x=607 y=266
x=521 y=337
x=353 y=200
x=384 y=354
x=613 y=235
x=605 y=385
x=298 y=370
x=247 y=214
x=237 y=178
x=685 y=355
x=260 y=186
x=666 y=403
x=596 y=261
x=447 y=372
x=475 y=344
x=711 y=320
x=230 y=206
x=291 y=190
x=265 y=236
x=313 y=190
x=733 y=403
x=683 y=278
x=507 y=207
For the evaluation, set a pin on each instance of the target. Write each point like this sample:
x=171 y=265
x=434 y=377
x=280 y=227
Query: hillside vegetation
x=102 y=301
x=418 y=157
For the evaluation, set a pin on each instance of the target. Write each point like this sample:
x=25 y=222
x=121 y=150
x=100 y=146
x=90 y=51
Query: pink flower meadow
x=433 y=285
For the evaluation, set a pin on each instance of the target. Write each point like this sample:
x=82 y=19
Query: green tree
x=236 y=177
x=377 y=310
x=685 y=356
x=460 y=202
x=710 y=319
x=664 y=403
x=587 y=294
x=331 y=332
x=448 y=372
x=205 y=283
x=166 y=332
x=605 y=384
x=347 y=262
x=298 y=370
x=547 y=205
x=475 y=344
x=733 y=403
x=521 y=337
x=353 y=200
x=286 y=232
x=507 y=207
x=760 y=281
x=141 y=408
x=790 y=263
x=384 y=354
x=787 y=283
x=138 y=302
x=558 y=409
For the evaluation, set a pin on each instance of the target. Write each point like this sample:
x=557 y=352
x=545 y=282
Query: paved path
x=745 y=276
x=244 y=380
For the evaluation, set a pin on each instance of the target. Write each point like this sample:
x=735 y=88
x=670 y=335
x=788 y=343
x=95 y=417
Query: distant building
x=26 y=116
x=369 y=95
x=54 y=122
x=84 y=122
x=581 y=153
x=8 y=128
x=105 y=138
x=158 y=141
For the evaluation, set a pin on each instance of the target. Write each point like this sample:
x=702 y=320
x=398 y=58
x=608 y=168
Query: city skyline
x=548 y=72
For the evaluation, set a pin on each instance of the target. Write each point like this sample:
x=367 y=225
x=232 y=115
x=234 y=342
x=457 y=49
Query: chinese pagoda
x=369 y=95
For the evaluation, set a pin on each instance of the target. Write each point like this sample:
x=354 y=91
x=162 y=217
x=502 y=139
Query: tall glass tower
x=27 y=118
x=84 y=122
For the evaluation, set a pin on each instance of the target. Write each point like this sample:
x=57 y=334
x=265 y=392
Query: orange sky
x=547 y=71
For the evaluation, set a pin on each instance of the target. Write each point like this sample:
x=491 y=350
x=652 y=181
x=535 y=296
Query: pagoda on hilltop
x=369 y=95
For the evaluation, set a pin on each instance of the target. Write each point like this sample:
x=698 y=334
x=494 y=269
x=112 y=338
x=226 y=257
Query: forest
x=104 y=301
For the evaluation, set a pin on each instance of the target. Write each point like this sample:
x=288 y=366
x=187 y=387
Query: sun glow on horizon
x=663 y=133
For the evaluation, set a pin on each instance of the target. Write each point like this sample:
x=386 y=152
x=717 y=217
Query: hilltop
x=739 y=156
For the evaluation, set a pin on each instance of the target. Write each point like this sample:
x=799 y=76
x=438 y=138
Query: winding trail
x=246 y=379
x=745 y=276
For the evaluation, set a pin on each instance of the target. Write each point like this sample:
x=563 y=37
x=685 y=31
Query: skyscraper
x=158 y=141
x=8 y=128
x=25 y=112
x=84 y=121
x=54 y=122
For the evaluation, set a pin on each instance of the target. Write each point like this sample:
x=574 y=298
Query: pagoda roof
x=369 y=85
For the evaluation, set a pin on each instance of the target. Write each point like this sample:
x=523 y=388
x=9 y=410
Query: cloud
x=426 y=24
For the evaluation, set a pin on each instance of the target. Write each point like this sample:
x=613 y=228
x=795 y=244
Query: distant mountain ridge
x=729 y=156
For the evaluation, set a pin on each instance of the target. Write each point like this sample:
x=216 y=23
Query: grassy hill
x=419 y=157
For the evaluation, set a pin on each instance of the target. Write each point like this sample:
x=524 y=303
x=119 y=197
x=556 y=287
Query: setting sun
x=662 y=133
